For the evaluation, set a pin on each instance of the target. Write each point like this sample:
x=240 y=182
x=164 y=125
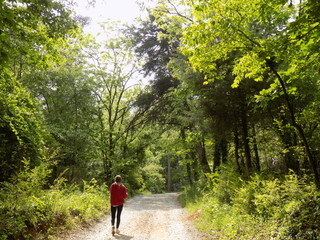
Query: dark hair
x=118 y=178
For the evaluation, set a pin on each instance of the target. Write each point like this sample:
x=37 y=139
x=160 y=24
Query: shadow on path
x=122 y=237
x=153 y=202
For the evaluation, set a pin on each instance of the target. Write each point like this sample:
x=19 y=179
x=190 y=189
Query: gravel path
x=146 y=217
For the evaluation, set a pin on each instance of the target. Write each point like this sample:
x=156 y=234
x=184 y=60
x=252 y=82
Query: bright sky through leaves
x=117 y=10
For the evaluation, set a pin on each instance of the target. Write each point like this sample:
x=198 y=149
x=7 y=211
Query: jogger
x=118 y=193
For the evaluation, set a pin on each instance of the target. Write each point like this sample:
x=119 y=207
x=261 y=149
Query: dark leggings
x=114 y=210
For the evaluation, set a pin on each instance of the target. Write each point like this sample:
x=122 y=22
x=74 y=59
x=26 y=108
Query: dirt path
x=144 y=217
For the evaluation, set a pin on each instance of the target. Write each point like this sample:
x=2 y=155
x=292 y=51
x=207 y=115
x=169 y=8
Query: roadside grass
x=28 y=210
x=264 y=207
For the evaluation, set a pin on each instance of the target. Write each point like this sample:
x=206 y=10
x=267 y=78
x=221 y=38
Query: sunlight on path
x=154 y=217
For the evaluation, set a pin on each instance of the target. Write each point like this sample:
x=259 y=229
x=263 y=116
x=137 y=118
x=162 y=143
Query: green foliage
x=293 y=203
x=203 y=96
x=223 y=184
x=120 y=136
x=263 y=207
x=30 y=31
x=276 y=52
x=20 y=126
x=154 y=180
x=28 y=210
x=152 y=173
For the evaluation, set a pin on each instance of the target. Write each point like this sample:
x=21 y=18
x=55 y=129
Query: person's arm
x=125 y=193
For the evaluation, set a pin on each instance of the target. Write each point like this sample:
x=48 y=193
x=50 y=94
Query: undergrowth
x=264 y=207
x=29 y=209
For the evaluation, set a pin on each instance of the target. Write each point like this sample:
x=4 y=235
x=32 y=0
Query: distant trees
x=114 y=74
x=247 y=80
x=162 y=105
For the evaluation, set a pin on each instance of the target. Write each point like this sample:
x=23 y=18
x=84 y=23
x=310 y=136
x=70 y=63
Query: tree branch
x=177 y=12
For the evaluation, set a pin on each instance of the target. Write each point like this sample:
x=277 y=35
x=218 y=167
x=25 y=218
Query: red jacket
x=117 y=194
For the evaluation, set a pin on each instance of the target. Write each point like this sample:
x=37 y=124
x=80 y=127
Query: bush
x=27 y=210
x=261 y=208
x=293 y=204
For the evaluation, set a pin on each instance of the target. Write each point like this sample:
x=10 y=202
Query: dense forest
x=229 y=117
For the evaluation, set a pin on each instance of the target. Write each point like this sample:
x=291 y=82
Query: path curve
x=144 y=217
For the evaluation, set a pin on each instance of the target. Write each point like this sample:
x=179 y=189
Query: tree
x=21 y=127
x=269 y=47
x=69 y=108
x=28 y=30
x=162 y=104
x=114 y=73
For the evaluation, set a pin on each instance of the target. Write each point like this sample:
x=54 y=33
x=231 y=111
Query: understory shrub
x=263 y=207
x=29 y=211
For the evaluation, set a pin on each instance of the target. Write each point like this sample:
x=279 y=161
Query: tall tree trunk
x=220 y=153
x=203 y=157
x=289 y=141
x=255 y=149
x=236 y=149
x=224 y=150
x=168 y=174
x=107 y=167
x=192 y=156
x=245 y=139
x=105 y=153
x=190 y=179
x=297 y=126
x=217 y=156
x=195 y=166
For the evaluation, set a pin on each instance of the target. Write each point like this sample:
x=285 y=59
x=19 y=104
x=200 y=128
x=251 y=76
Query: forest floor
x=154 y=217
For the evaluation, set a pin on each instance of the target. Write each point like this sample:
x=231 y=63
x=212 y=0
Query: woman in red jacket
x=118 y=193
